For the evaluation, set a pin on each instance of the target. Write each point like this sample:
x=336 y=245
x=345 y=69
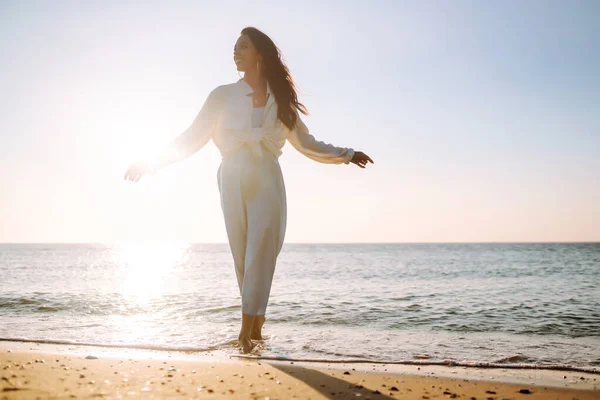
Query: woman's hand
x=137 y=170
x=361 y=159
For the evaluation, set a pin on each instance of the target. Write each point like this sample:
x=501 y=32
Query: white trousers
x=253 y=201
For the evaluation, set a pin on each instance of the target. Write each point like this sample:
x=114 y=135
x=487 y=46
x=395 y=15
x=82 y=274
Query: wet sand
x=31 y=371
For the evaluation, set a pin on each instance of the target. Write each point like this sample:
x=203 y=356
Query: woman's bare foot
x=246 y=344
x=256 y=332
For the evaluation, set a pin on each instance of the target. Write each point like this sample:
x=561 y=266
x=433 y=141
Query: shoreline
x=197 y=352
x=32 y=369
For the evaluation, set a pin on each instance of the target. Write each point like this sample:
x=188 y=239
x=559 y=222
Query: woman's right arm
x=196 y=136
x=187 y=143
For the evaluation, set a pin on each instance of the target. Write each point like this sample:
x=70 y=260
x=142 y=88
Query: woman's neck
x=256 y=82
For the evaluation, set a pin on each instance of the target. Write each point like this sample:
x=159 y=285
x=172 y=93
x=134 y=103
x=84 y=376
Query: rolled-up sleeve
x=316 y=150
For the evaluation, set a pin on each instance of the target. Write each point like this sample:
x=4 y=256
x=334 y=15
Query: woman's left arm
x=316 y=150
x=322 y=152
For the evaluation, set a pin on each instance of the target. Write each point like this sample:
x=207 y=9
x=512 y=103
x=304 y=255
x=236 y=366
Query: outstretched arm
x=187 y=143
x=196 y=136
x=316 y=150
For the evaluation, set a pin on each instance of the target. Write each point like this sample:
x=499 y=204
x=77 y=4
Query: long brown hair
x=279 y=77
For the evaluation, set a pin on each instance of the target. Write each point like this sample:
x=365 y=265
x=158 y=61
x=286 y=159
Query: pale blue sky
x=483 y=118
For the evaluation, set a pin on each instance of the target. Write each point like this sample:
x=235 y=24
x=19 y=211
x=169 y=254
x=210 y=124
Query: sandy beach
x=40 y=371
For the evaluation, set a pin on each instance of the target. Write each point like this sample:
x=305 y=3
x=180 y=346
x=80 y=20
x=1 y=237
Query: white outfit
x=251 y=185
x=257 y=116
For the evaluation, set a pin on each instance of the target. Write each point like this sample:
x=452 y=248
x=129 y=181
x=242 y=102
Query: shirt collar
x=248 y=89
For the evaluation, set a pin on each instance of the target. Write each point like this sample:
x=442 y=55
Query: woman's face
x=245 y=55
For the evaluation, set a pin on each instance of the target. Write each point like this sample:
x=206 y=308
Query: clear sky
x=483 y=118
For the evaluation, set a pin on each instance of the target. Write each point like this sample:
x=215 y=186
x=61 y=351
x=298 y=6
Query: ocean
x=535 y=305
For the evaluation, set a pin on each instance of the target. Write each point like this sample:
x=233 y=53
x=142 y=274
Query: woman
x=249 y=122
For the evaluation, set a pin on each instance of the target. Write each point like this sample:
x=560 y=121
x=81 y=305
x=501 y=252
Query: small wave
x=208 y=310
x=511 y=359
x=405 y=298
x=49 y=309
x=21 y=301
x=183 y=349
x=78 y=304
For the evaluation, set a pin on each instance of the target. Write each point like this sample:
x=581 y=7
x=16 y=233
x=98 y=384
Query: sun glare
x=134 y=146
x=144 y=266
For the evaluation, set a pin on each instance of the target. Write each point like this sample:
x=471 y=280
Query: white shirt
x=226 y=118
x=257 y=116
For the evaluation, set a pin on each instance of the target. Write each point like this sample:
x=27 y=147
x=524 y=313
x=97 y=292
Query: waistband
x=257 y=150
